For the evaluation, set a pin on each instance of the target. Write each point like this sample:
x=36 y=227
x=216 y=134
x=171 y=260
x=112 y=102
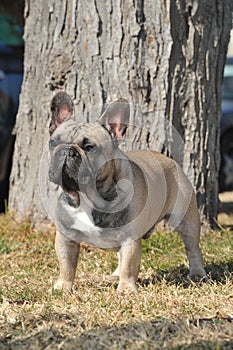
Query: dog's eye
x=88 y=148
x=87 y=145
x=52 y=143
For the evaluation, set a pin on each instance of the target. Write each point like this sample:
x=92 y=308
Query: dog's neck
x=72 y=198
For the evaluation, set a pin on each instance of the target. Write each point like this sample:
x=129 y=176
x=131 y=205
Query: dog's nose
x=69 y=152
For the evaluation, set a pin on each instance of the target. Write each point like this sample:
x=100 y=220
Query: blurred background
x=226 y=169
x=11 y=77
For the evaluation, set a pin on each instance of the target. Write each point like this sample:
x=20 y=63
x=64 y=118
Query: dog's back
x=163 y=186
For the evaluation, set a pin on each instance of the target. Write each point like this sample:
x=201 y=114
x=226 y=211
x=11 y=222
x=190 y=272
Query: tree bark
x=200 y=32
x=166 y=58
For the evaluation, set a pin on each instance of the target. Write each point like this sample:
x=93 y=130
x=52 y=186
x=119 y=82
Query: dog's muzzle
x=70 y=168
x=66 y=159
x=67 y=152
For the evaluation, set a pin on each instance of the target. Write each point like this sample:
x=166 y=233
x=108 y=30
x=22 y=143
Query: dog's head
x=83 y=153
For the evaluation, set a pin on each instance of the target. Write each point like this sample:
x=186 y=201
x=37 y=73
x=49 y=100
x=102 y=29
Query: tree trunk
x=200 y=35
x=166 y=58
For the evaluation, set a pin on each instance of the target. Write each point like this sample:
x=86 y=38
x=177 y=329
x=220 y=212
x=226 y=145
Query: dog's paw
x=199 y=279
x=62 y=285
x=127 y=286
x=198 y=275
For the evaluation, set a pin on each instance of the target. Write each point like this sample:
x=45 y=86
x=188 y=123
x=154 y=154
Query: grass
x=168 y=312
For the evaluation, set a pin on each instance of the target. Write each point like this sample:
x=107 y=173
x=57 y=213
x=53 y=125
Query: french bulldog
x=111 y=199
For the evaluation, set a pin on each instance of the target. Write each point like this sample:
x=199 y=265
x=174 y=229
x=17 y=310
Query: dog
x=111 y=199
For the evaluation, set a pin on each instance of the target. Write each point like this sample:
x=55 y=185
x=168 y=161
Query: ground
x=168 y=312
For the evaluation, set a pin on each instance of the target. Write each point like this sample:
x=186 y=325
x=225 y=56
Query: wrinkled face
x=79 y=153
x=83 y=155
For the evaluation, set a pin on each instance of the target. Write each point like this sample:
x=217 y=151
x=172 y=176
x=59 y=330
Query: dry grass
x=168 y=312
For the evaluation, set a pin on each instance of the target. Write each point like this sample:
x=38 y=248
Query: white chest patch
x=82 y=218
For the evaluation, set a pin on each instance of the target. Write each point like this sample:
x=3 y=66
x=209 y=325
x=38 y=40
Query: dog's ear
x=116 y=118
x=61 y=108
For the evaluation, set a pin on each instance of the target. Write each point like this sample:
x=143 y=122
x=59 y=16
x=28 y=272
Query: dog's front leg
x=67 y=253
x=130 y=257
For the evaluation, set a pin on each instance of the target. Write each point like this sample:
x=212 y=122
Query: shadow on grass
x=156 y=334
x=217 y=272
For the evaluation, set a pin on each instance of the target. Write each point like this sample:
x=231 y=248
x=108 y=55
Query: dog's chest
x=82 y=219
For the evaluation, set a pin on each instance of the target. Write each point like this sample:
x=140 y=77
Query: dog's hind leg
x=67 y=253
x=189 y=230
